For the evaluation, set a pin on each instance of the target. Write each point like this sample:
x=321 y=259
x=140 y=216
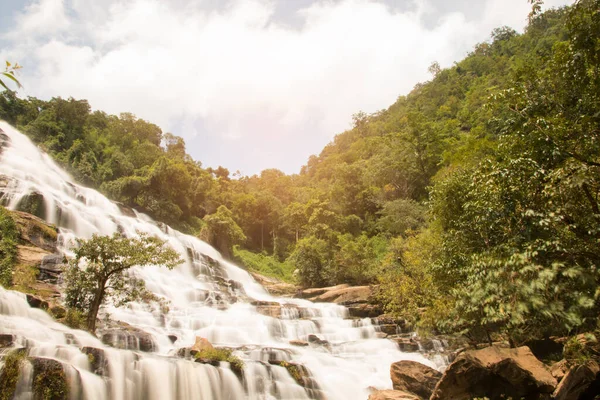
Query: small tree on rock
x=100 y=270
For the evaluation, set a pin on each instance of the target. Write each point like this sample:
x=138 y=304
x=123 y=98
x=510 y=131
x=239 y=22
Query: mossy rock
x=296 y=371
x=49 y=380
x=36 y=231
x=98 y=362
x=33 y=203
x=9 y=377
x=216 y=355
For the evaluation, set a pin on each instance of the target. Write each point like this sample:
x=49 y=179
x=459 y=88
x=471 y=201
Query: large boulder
x=559 y=369
x=36 y=232
x=268 y=308
x=496 y=373
x=129 y=338
x=275 y=286
x=202 y=344
x=49 y=379
x=582 y=382
x=97 y=359
x=364 y=310
x=414 y=377
x=51 y=267
x=392 y=395
x=346 y=295
x=314 y=292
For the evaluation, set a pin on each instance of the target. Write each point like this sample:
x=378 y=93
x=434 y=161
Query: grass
x=264 y=264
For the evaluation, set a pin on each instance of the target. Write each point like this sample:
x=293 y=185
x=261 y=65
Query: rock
x=98 y=362
x=414 y=377
x=275 y=286
x=559 y=369
x=35 y=231
x=51 y=267
x=390 y=329
x=11 y=370
x=406 y=345
x=544 y=349
x=385 y=319
x=364 y=310
x=49 y=379
x=4 y=141
x=317 y=340
x=202 y=344
x=381 y=335
x=297 y=342
x=7 y=340
x=129 y=338
x=297 y=371
x=269 y=308
x=582 y=382
x=345 y=296
x=31 y=255
x=126 y=210
x=392 y=395
x=36 y=302
x=58 y=312
x=172 y=338
x=314 y=292
x=495 y=372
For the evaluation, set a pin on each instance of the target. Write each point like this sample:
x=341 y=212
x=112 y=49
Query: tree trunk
x=95 y=307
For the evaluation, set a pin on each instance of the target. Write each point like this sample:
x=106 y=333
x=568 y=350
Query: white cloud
x=45 y=17
x=237 y=77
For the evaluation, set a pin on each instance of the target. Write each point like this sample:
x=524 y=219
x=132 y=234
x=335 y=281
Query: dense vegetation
x=9 y=236
x=474 y=197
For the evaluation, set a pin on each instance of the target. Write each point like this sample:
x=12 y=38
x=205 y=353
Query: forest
x=473 y=201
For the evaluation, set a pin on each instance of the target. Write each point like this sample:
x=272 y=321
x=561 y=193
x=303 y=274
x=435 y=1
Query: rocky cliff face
x=39 y=265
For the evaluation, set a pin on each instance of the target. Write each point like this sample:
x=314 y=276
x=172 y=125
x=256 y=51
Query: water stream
x=208 y=297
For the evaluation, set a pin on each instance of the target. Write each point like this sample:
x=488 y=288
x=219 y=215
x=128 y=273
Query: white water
x=199 y=306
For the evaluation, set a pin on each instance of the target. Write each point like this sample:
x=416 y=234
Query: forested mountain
x=475 y=196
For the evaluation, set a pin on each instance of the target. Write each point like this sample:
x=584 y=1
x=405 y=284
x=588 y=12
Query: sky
x=249 y=84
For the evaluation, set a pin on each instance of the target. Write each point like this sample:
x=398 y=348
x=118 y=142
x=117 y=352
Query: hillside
x=470 y=197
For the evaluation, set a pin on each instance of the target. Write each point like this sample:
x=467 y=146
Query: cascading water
x=208 y=297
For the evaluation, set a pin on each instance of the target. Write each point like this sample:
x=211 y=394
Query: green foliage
x=473 y=200
x=100 y=271
x=264 y=264
x=520 y=229
x=407 y=282
x=9 y=73
x=313 y=258
x=75 y=319
x=9 y=375
x=9 y=236
x=49 y=381
x=295 y=372
x=222 y=354
x=577 y=349
x=222 y=231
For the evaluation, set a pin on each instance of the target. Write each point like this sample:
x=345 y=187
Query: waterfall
x=208 y=297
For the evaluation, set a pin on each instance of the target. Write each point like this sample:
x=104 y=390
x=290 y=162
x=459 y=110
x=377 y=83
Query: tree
x=313 y=258
x=101 y=271
x=222 y=231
